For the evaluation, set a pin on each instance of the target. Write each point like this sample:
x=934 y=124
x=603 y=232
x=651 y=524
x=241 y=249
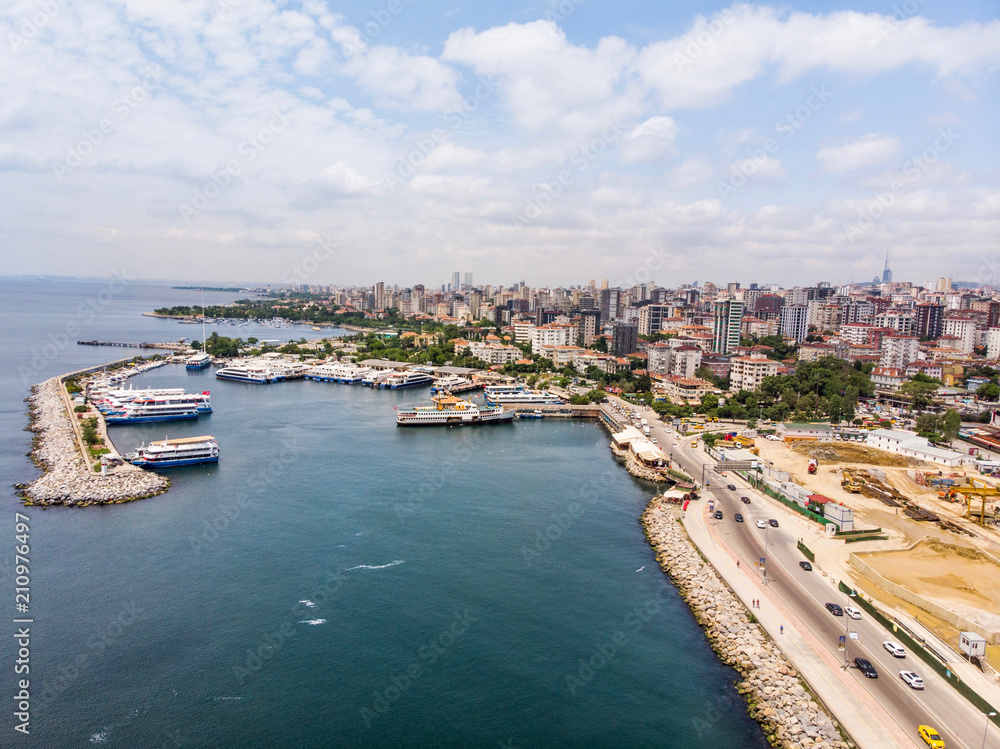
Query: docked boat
x=448 y=409
x=536 y=414
x=450 y=383
x=201 y=360
x=168 y=453
x=343 y=372
x=147 y=411
x=519 y=395
x=202 y=400
x=408 y=378
x=243 y=372
x=374 y=378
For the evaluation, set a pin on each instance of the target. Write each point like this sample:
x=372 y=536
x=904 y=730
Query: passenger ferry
x=451 y=383
x=200 y=360
x=145 y=411
x=536 y=414
x=202 y=400
x=519 y=395
x=448 y=409
x=408 y=378
x=347 y=373
x=243 y=372
x=374 y=378
x=167 y=453
x=103 y=397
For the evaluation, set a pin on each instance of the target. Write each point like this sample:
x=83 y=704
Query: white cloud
x=869 y=150
x=651 y=140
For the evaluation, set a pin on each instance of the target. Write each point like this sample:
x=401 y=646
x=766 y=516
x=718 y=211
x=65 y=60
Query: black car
x=806 y=566
x=718 y=514
x=745 y=500
x=773 y=523
x=834 y=609
x=738 y=518
x=865 y=666
x=731 y=487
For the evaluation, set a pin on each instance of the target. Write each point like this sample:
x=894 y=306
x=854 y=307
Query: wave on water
x=308 y=604
x=313 y=622
x=376 y=566
x=100 y=738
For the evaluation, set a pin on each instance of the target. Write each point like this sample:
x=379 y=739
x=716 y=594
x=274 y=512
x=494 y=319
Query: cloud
x=869 y=150
x=651 y=140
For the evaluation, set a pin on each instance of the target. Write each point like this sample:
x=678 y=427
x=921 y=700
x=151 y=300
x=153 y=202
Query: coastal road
x=805 y=595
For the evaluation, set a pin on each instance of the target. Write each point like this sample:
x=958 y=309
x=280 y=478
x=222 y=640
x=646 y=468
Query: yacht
x=448 y=409
x=374 y=378
x=202 y=400
x=167 y=453
x=149 y=410
x=450 y=383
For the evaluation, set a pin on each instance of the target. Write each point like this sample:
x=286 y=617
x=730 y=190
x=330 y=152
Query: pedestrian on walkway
x=782 y=629
x=737 y=564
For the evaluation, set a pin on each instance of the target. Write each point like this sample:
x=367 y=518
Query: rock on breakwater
x=68 y=479
x=777 y=699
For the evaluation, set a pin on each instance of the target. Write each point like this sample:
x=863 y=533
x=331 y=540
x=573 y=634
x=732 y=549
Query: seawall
x=776 y=697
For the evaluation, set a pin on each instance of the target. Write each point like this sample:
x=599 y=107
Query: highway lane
x=805 y=593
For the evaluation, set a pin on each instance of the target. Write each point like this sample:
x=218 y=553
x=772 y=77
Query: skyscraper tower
x=886 y=273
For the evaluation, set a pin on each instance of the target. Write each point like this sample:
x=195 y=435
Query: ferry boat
x=408 y=378
x=374 y=378
x=201 y=360
x=146 y=411
x=450 y=383
x=202 y=400
x=448 y=409
x=243 y=372
x=347 y=373
x=167 y=453
x=104 y=397
x=516 y=395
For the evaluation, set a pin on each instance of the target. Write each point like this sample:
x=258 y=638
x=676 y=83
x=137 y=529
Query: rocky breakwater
x=776 y=697
x=68 y=478
x=637 y=469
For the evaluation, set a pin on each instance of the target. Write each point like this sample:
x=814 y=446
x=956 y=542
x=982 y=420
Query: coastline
x=67 y=478
x=776 y=697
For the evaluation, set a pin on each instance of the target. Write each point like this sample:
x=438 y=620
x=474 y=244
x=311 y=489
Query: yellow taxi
x=929 y=735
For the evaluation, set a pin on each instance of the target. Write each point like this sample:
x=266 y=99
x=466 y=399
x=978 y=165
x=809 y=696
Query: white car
x=761 y=524
x=894 y=649
x=914 y=681
x=852 y=612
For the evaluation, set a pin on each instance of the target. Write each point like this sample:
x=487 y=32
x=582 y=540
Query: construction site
x=926 y=539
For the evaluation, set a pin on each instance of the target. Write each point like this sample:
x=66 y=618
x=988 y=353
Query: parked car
x=773 y=523
x=760 y=524
x=865 y=666
x=930 y=736
x=738 y=518
x=731 y=487
x=834 y=609
x=745 y=500
x=911 y=679
x=894 y=649
x=718 y=514
x=806 y=566
x=852 y=612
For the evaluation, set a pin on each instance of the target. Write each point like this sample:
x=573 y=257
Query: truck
x=645 y=430
x=813 y=465
x=644 y=422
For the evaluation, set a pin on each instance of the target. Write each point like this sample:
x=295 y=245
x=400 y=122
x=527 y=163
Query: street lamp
x=987 y=729
x=847 y=634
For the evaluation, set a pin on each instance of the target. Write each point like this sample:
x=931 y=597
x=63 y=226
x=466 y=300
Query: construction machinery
x=851 y=481
x=971 y=493
x=813 y=465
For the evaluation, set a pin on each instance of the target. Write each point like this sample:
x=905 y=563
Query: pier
x=121 y=344
x=561 y=410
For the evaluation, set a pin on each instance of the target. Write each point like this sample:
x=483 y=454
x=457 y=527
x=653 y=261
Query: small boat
x=198 y=361
x=536 y=414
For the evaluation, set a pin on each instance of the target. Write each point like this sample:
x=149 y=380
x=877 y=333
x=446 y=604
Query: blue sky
x=398 y=140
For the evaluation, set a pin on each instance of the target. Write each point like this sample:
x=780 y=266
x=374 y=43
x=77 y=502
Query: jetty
x=556 y=410
x=72 y=475
x=122 y=344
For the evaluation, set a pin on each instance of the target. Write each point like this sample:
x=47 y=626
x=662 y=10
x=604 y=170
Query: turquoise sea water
x=468 y=587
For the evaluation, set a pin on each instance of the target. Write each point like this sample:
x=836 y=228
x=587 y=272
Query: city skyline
x=515 y=143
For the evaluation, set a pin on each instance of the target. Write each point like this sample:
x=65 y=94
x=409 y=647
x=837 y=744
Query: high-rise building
x=456 y=281
x=928 y=320
x=468 y=281
x=624 y=338
x=726 y=334
x=795 y=321
x=651 y=318
x=610 y=301
x=886 y=273
x=590 y=325
x=378 y=292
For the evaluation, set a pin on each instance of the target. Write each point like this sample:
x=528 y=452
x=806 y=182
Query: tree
x=988 y=391
x=920 y=393
x=951 y=424
x=600 y=344
x=643 y=383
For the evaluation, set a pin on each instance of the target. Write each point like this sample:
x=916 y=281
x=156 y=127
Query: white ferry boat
x=102 y=397
x=243 y=372
x=408 y=378
x=167 y=453
x=202 y=400
x=449 y=383
x=344 y=372
x=374 y=378
x=518 y=395
x=146 y=411
x=448 y=409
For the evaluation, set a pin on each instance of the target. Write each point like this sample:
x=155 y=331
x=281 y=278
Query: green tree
x=600 y=344
x=988 y=391
x=951 y=424
x=921 y=394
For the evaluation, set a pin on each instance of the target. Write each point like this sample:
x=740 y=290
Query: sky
x=346 y=143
